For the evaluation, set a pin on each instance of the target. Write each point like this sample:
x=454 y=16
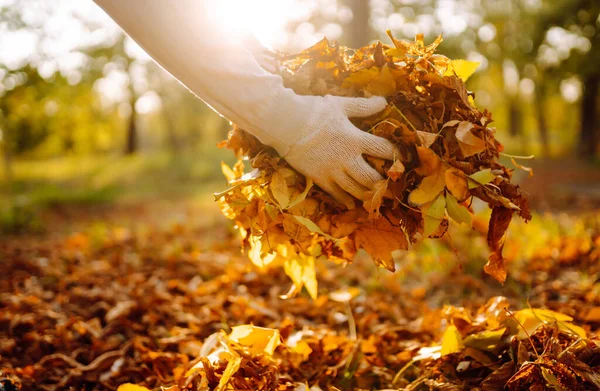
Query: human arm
x=312 y=133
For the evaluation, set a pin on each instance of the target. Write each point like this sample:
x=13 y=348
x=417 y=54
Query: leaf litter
x=151 y=309
x=446 y=148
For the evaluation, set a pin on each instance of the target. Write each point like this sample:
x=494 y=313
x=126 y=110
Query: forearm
x=183 y=38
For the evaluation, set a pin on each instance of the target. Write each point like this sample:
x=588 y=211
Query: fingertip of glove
x=379 y=147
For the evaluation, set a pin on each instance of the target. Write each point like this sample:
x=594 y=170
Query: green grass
x=94 y=180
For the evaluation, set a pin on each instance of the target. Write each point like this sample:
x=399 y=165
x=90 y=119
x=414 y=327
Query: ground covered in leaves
x=177 y=306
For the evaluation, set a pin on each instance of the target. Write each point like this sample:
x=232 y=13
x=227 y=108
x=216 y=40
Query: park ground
x=121 y=276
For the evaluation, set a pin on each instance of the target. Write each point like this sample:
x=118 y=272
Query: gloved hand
x=329 y=148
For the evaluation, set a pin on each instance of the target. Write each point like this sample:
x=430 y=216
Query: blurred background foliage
x=87 y=117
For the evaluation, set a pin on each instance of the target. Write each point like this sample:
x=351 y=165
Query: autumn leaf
x=485 y=340
x=530 y=319
x=461 y=68
x=301 y=269
x=131 y=387
x=360 y=78
x=429 y=162
x=396 y=170
x=380 y=238
x=469 y=143
x=451 y=341
x=429 y=188
x=458 y=212
x=426 y=138
x=279 y=189
x=258 y=340
x=499 y=222
x=374 y=197
x=433 y=214
x=383 y=84
x=302 y=196
x=456 y=183
x=481 y=178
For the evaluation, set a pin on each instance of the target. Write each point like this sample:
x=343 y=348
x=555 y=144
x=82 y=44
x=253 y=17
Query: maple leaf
x=380 y=238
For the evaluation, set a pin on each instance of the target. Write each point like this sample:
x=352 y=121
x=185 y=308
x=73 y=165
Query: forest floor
x=150 y=293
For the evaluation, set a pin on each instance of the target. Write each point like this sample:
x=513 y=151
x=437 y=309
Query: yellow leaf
x=481 y=178
x=227 y=172
x=233 y=364
x=131 y=387
x=383 y=84
x=359 y=79
x=396 y=171
x=458 y=212
x=280 y=190
x=312 y=226
x=428 y=189
x=301 y=269
x=451 y=341
x=462 y=68
x=532 y=318
x=485 y=340
x=456 y=183
x=469 y=143
x=429 y=161
x=374 y=197
x=302 y=349
x=433 y=214
x=258 y=340
x=302 y=196
x=259 y=254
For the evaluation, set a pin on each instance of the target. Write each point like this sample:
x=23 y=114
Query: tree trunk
x=8 y=168
x=541 y=117
x=588 y=136
x=131 y=143
x=515 y=119
x=359 y=32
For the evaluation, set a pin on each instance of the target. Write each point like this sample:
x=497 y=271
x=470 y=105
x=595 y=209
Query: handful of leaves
x=447 y=156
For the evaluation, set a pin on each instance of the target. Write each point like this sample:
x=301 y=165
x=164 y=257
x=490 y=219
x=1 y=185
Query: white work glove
x=329 y=149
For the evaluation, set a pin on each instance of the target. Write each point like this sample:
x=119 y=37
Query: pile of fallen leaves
x=447 y=156
x=148 y=307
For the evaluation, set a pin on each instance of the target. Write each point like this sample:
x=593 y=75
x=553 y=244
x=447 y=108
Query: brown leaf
x=374 y=197
x=469 y=143
x=379 y=238
x=499 y=222
x=396 y=171
x=497 y=379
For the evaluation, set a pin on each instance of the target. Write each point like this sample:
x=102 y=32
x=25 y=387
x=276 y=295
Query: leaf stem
x=518 y=156
x=404 y=117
